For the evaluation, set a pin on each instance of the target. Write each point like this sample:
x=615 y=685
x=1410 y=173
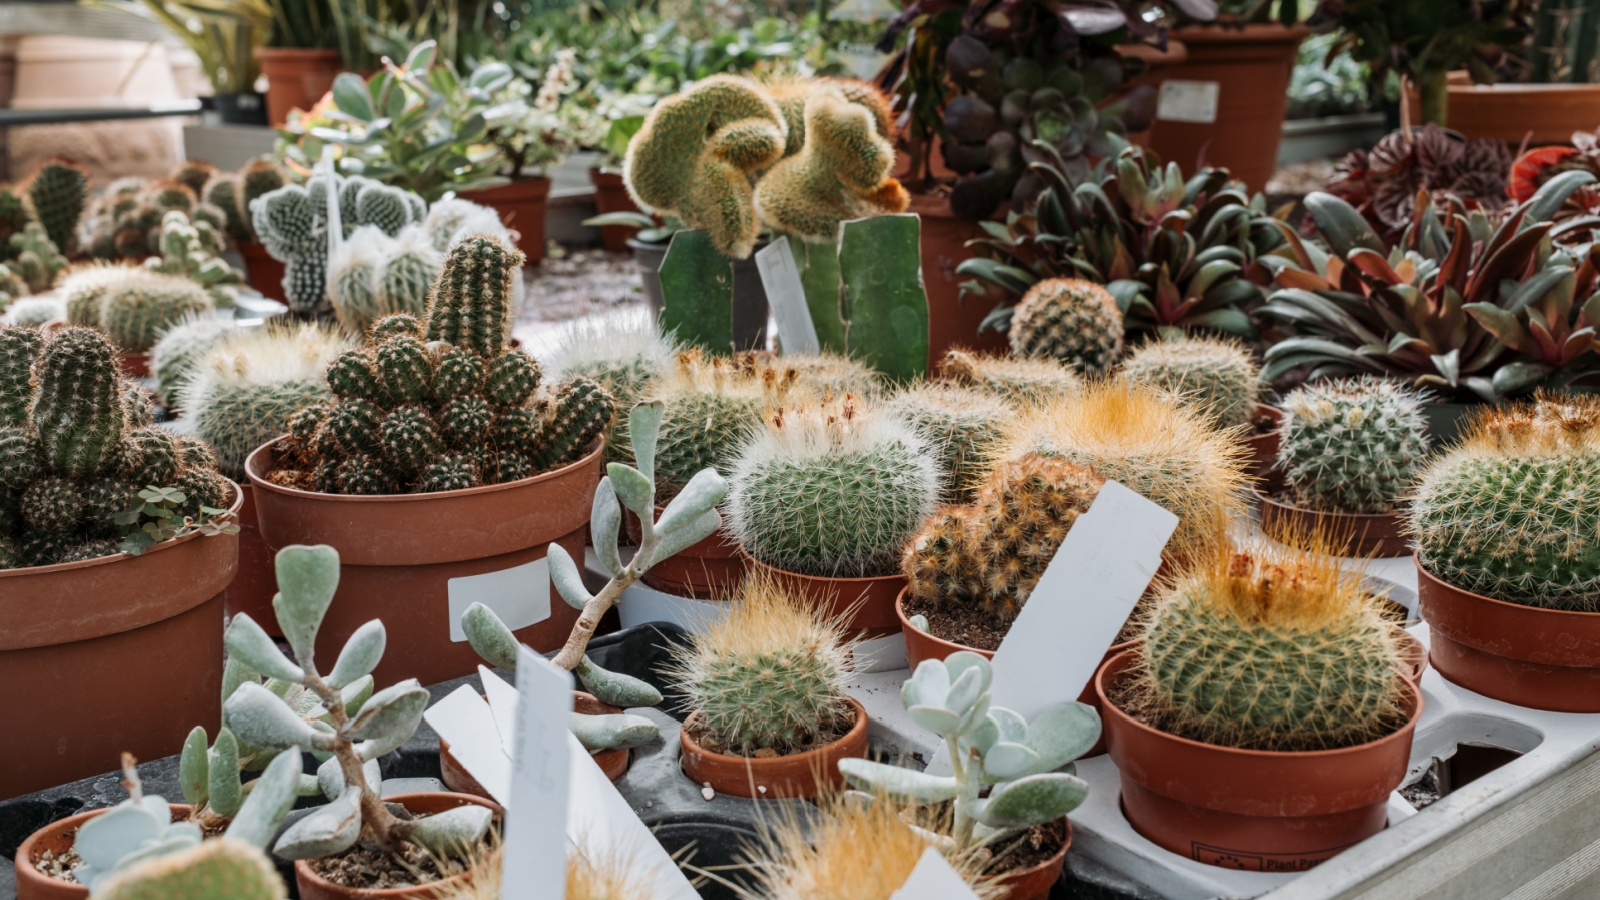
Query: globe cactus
x=1019 y=381
x=712 y=407
x=1216 y=375
x=823 y=373
x=1072 y=321
x=207 y=871
x=1351 y=446
x=963 y=425
x=137 y=311
x=623 y=352
x=84 y=288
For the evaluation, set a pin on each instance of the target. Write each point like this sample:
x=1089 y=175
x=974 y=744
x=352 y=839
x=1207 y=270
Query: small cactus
x=84 y=288
x=712 y=406
x=1021 y=382
x=136 y=312
x=1214 y=374
x=58 y=191
x=962 y=423
x=1072 y=321
x=472 y=302
x=179 y=350
x=212 y=870
x=824 y=373
x=623 y=352
x=1351 y=446
x=34 y=258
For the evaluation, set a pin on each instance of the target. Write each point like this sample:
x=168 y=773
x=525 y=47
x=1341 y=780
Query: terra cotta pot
x=57 y=838
x=296 y=78
x=262 y=270
x=1034 y=882
x=801 y=775
x=834 y=596
x=709 y=569
x=521 y=205
x=257 y=579
x=134 y=365
x=611 y=196
x=1351 y=534
x=314 y=887
x=1264 y=447
x=612 y=762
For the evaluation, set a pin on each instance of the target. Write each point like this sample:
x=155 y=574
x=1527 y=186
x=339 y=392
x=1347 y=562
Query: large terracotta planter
x=1539 y=658
x=521 y=204
x=1538 y=113
x=257 y=580
x=314 y=887
x=1249 y=67
x=410 y=559
x=1034 y=882
x=262 y=271
x=122 y=653
x=710 y=569
x=952 y=321
x=611 y=196
x=296 y=78
x=876 y=596
x=1353 y=534
x=57 y=838
x=802 y=775
x=612 y=762
x=1252 y=809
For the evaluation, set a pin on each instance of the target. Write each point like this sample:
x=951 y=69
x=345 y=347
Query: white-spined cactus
x=990 y=747
x=307 y=579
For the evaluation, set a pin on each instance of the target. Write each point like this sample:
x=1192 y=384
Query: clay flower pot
x=1538 y=658
x=710 y=569
x=611 y=196
x=134 y=365
x=1264 y=446
x=314 y=887
x=1034 y=882
x=612 y=762
x=121 y=653
x=521 y=205
x=256 y=581
x=802 y=775
x=1357 y=534
x=296 y=78
x=1256 y=810
x=951 y=322
x=876 y=595
x=261 y=270
x=418 y=560
x=1413 y=653
x=57 y=838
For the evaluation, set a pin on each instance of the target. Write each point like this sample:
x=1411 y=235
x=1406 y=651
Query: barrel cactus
x=623 y=352
x=1512 y=512
x=1020 y=381
x=208 y=871
x=963 y=425
x=832 y=489
x=1216 y=375
x=84 y=287
x=136 y=311
x=1351 y=446
x=1069 y=320
x=712 y=405
x=824 y=373
x=178 y=351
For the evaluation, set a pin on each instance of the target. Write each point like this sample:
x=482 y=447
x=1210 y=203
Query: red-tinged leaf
x=1299 y=279
x=1545 y=345
x=1374 y=265
x=1501 y=324
x=1528 y=171
x=1578 y=343
x=1507 y=262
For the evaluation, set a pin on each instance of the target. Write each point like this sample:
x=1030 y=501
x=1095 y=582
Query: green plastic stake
x=819 y=277
x=697 y=293
x=884 y=302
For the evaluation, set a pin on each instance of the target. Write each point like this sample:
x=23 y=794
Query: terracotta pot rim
x=25 y=869
x=303 y=870
x=252 y=465
x=753 y=770
x=1240 y=33
x=867 y=579
x=1549 y=615
x=906 y=626
x=1056 y=860
x=1524 y=90
x=1358 y=518
x=856 y=729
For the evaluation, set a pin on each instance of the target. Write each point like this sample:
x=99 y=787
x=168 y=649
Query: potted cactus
x=442 y=457
x=624 y=352
x=1219 y=377
x=1008 y=780
x=1350 y=451
x=132 y=305
x=1021 y=382
x=824 y=497
x=963 y=424
x=119 y=525
x=232 y=194
x=1072 y=321
x=1507 y=563
x=1270 y=670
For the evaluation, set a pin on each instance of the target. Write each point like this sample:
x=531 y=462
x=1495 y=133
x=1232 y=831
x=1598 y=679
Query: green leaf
x=222 y=763
x=269 y=801
x=605 y=524
x=193 y=777
x=350 y=96
x=260 y=719
x=615 y=688
x=633 y=488
x=697 y=293
x=394 y=711
x=680 y=538
x=328 y=830
x=360 y=655
x=703 y=492
x=644 y=429
x=307 y=580
x=885 y=306
x=612 y=732
x=907 y=785
x=1031 y=801
x=251 y=644
x=565 y=576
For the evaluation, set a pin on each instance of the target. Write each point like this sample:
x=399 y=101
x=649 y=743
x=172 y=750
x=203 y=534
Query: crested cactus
x=1021 y=382
x=1511 y=511
x=137 y=311
x=35 y=258
x=178 y=351
x=712 y=406
x=962 y=423
x=1216 y=375
x=1351 y=446
x=58 y=192
x=1270 y=648
x=1072 y=321
x=831 y=489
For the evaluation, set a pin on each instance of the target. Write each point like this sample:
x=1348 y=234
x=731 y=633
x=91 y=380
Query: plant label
x=787 y=297
x=1188 y=101
x=520 y=596
x=502 y=699
x=933 y=879
x=466 y=723
x=535 y=858
x=601 y=823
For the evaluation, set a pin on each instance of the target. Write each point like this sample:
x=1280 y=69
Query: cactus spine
x=1021 y=382
x=1216 y=375
x=625 y=353
x=1072 y=321
x=1351 y=446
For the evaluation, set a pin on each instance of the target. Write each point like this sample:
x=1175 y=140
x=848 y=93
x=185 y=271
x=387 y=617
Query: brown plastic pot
x=612 y=762
x=521 y=204
x=1255 y=810
x=257 y=580
x=134 y=365
x=951 y=322
x=1034 y=882
x=400 y=553
x=314 y=887
x=1413 y=654
x=57 y=838
x=710 y=569
x=611 y=196
x=262 y=271
x=1264 y=447
x=802 y=775
x=1538 y=658
x=1355 y=534
x=296 y=78
x=876 y=596
x=121 y=653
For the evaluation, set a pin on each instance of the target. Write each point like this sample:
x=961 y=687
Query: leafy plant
x=159 y=517
x=222 y=35
x=1383 y=182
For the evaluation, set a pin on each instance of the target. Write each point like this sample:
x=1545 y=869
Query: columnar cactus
x=138 y=310
x=58 y=192
x=832 y=489
x=472 y=302
x=1351 y=446
x=962 y=423
x=712 y=407
x=1019 y=381
x=1214 y=374
x=1072 y=321
x=1270 y=648
x=1511 y=512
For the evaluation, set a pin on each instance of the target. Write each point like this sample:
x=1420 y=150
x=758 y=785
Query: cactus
x=194 y=174
x=77 y=411
x=1021 y=382
x=696 y=152
x=712 y=406
x=963 y=425
x=768 y=676
x=472 y=301
x=1351 y=446
x=831 y=489
x=1269 y=648
x=58 y=191
x=449 y=220
x=179 y=350
x=137 y=311
x=1169 y=453
x=13 y=217
x=211 y=871
x=1069 y=320
x=222 y=192
x=35 y=258
x=1510 y=512
x=826 y=373
x=18 y=345
x=257 y=179
x=623 y=352
x=1215 y=374
x=993 y=747
x=187 y=251
x=84 y=287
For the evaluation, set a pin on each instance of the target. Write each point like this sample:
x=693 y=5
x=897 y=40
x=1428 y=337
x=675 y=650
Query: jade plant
x=963 y=425
x=1351 y=446
x=1019 y=763
x=307 y=580
x=1510 y=511
x=1019 y=381
x=1069 y=320
x=1215 y=375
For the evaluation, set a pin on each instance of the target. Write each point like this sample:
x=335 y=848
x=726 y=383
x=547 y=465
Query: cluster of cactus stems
x=35 y=238
x=232 y=194
x=443 y=407
x=128 y=219
x=34 y=258
x=185 y=251
x=1351 y=446
x=1020 y=381
x=1072 y=321
x=1216 y=375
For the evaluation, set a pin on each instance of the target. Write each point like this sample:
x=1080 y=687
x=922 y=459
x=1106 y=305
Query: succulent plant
x=1510 y=511
x=136 y=311
x=186 y=253
x=1215 y=375
x=374 y=275
x=963 y=425
x=991 y=748
x=831 y=489
x=450 y=219
x=1069 y=320
x=823 y=373
x=1021 y=382
x=179 y=349
x=212 y=869
x=58 y=192
x=128 y=219
x=1269 y=648
x=14 y=217
x=83 y=290
x=1351 y=446
x=623 y=352
x=35 y=258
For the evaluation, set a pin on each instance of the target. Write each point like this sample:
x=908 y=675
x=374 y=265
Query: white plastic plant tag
x=520 y=596
x=933 y=879
x=535 y=866
x=464 y=721
x=1188 y=101
x=601 y=823
x=502 y=699
x=881 y=654
x=787 y=297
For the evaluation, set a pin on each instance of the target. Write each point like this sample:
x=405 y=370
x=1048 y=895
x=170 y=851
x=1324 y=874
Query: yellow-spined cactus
x=695 y=155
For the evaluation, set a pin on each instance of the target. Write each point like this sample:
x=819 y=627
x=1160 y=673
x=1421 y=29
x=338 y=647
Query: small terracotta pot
x=134 y=365
x=314 y=887
x=802 y=775
x=1264 y=447
x=257 y=579
x=1538 y=658
x=57 y=838
x=1355 y=534
x=296 y=78
x=952 y=322
x=710 y=569
x=129 y=658
x=1034 y=882
x=1253 y=809
x=403 y=557
x=611 y=196
x=1414 y=653
x=876 y=596
x=521 y=205
x=262 y=271
x=612 y=762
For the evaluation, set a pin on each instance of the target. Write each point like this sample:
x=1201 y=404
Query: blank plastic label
x=1188 y=101
x=520 y=596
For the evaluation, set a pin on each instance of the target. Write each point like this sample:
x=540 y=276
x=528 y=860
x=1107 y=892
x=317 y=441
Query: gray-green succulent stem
x=572 y=652
x=377 y=823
